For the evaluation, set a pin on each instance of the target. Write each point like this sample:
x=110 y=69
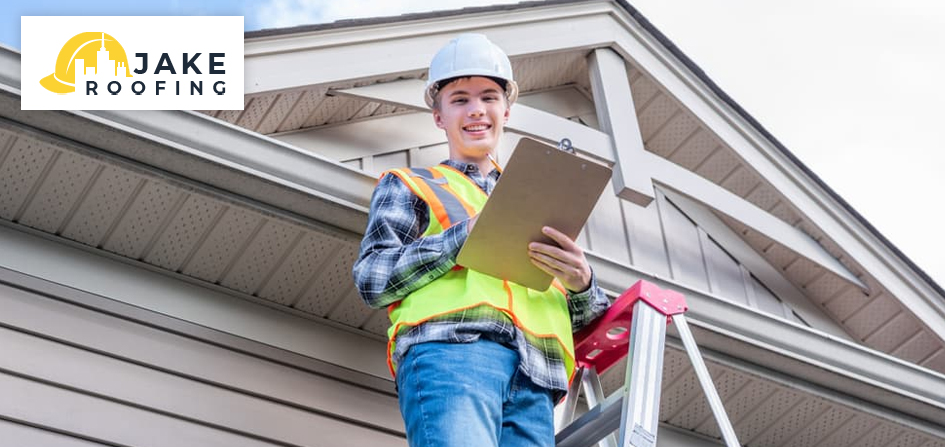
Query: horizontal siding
x=177 y=299
x=95 y=369
x=22 y=435
x=46 y=405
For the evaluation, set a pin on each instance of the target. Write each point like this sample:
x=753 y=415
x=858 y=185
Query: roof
x=667 y=43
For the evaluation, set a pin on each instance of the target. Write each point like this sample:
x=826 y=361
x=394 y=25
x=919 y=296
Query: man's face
x=473 y=112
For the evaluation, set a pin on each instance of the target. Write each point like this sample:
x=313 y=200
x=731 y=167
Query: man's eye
x=459 y=100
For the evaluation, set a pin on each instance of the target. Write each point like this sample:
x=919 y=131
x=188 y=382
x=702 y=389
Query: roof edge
x=372 y=21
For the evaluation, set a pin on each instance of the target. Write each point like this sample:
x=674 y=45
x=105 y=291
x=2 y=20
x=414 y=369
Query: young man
x=478 y=361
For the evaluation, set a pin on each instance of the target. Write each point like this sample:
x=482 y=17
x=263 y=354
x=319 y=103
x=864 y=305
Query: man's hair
x=442 y=84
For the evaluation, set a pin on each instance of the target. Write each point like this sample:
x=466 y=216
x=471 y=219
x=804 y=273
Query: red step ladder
x=634 y=328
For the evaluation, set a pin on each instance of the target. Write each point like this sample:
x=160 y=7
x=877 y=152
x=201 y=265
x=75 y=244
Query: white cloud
x=283 y=13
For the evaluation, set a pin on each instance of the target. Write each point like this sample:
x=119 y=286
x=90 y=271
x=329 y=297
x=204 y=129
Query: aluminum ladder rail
x=634 y=409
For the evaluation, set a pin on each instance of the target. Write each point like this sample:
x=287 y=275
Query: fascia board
x=243 y=166
x=412 y=29
x=10 y=68
x=287 y=62
x=651 y=57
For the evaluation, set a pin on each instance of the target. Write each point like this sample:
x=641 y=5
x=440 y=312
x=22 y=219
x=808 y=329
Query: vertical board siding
x=390 y=161
x=429 y=155
x=647 y=248
x=165 y=388
x=765 y=300
x=682 y=241
x=724 y=273
x=606 y=235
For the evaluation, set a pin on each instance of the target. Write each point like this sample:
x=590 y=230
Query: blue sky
x=851 y=87
x=258 y=14
x=12 y=10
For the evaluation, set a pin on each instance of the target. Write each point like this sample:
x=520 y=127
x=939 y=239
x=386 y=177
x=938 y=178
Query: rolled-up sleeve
x=586 y=306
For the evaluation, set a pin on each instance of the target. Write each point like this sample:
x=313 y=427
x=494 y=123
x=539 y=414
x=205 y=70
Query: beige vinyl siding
x=88 y=374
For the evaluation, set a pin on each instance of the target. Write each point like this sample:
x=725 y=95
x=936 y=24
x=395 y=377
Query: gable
x=716 y=158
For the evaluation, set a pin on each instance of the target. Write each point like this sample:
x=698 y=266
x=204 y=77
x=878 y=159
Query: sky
x=851 y=87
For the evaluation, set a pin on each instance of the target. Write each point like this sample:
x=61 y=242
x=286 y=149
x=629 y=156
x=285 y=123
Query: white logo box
x=172 y=38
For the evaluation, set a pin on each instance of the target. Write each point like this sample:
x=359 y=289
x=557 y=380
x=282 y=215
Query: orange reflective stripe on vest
x=436 y=186
x=453 y=197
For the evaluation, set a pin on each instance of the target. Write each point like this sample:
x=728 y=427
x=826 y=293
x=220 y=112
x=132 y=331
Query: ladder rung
x=592 y=426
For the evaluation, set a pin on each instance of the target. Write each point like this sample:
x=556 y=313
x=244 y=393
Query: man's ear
x=438 y=119
x=505 y=116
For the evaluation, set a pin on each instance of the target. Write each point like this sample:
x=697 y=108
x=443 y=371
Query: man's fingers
x=549 y=260
x=565 y=261
x=562 y=239
x=569 y=276
x=551 y=251
x=547 y=268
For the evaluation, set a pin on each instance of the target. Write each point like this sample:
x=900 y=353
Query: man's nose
x=476 y=108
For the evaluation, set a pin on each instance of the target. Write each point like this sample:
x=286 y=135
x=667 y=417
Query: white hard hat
x=470 y=55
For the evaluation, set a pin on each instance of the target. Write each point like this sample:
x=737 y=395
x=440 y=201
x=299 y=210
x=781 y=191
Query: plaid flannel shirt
x=395 y=261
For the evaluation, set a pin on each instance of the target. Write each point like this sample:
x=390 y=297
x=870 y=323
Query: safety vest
x=453 y=197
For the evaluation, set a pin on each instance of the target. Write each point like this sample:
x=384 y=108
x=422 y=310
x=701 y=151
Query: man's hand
x=565 y=262
x=472 y=223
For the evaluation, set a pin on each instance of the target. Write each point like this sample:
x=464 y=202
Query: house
x=184 y=278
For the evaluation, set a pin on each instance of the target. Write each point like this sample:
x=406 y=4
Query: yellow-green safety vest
x=452 y=197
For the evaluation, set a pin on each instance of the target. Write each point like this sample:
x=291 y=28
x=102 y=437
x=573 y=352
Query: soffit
x=316 y=106
x=768 y=412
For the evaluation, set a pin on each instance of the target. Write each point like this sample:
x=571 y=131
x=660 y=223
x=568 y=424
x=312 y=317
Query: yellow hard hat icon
x=85 y=46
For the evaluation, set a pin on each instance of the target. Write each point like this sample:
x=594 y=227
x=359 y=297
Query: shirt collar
x=466 y=168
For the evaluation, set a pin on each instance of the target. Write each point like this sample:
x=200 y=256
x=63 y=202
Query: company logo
x=85 y=55
x=140 y=63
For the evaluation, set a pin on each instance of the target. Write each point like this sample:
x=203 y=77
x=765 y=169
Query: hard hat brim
x=511 y=87
x=52 y=84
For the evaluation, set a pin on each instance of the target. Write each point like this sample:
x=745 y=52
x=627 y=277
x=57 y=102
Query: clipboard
x=541 y=185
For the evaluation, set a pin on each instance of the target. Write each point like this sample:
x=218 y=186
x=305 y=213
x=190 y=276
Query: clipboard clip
x=565 y=145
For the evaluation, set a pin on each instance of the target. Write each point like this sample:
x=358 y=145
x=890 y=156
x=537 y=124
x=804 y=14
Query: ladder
x=633 y=328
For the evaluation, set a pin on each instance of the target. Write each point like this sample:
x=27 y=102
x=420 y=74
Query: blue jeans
x=471 y=394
